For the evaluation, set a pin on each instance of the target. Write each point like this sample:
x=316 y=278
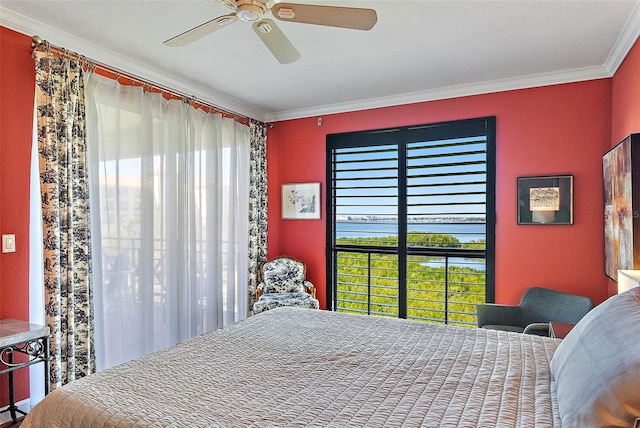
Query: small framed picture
x=301 y=201
x=545 y=200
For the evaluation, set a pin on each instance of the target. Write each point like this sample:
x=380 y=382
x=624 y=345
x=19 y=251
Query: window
x=411 y=221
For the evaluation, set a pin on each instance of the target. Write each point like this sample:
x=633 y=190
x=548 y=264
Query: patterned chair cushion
x=283 y=276
x=274 y=300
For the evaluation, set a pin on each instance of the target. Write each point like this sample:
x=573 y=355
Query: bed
x=299 y=367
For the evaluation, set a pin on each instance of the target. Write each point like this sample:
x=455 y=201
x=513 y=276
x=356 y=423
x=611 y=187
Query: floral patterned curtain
x=257 y=204
x=65 y=211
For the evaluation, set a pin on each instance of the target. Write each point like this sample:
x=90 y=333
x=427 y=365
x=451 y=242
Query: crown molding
x=30 y=27
x=625 y=42
x=545 y=79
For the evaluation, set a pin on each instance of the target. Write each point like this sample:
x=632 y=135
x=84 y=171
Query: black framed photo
x=545 y=200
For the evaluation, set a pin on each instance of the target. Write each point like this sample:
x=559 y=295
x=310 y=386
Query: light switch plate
x=8 y=243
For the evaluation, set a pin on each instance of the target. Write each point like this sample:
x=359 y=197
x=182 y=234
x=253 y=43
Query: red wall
x=563 y=129
x=17 y=80
x=625 y=90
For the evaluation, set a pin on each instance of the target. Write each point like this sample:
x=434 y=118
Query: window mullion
x=402 y=226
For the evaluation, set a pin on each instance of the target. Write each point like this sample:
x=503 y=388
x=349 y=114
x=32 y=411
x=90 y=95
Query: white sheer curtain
x=169 y=192
x=36 y=264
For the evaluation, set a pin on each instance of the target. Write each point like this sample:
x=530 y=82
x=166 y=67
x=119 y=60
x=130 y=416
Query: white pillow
x=596 y=368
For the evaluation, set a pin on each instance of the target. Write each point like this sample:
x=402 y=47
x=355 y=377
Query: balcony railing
x=441 y=284
x=149 y=276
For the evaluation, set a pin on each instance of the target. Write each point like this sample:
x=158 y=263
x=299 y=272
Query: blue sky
x=436 y=196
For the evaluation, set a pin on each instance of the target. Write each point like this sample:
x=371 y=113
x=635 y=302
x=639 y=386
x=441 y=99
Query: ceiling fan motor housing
x=250 y=10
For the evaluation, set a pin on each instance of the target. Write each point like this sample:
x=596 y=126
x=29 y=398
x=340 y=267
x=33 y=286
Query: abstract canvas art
x=621 y=208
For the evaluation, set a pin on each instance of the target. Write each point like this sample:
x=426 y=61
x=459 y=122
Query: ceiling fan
x=267 y=30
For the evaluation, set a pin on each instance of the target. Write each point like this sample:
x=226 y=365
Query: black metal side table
x=32 y=340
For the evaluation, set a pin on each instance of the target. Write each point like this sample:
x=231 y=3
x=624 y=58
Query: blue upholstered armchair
x=284 y=284
x=538 y=307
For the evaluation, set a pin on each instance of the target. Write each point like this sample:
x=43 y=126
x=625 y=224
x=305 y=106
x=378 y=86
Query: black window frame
x=402 y=136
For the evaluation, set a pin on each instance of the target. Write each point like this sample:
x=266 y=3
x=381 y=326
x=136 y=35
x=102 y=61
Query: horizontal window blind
x=365 y=189
x=447 y=192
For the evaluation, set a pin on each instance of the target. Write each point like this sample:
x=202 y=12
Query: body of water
x=464 y=232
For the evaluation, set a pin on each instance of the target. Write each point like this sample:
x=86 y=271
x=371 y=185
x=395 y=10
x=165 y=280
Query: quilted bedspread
x=298 y=367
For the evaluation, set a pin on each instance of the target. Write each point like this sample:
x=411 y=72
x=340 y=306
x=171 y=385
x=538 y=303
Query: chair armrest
x=539 y=328
x=259 y=290
x=309 y=288
x=493 y=314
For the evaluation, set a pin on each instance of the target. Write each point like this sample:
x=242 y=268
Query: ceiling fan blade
x=276 y=41
x=332 y=16
x=201 y=31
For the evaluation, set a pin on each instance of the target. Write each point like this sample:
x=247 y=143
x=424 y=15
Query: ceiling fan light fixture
x=250 y=12
x=286 y=13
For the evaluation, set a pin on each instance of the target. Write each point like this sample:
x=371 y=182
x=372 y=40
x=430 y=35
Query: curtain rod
x=37 y=41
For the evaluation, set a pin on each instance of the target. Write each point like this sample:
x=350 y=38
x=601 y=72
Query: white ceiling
x=419 y=50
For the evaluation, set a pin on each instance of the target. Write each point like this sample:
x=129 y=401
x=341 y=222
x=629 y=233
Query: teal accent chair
x=538 y=307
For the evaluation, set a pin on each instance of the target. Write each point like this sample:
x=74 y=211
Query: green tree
x=369 y=283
